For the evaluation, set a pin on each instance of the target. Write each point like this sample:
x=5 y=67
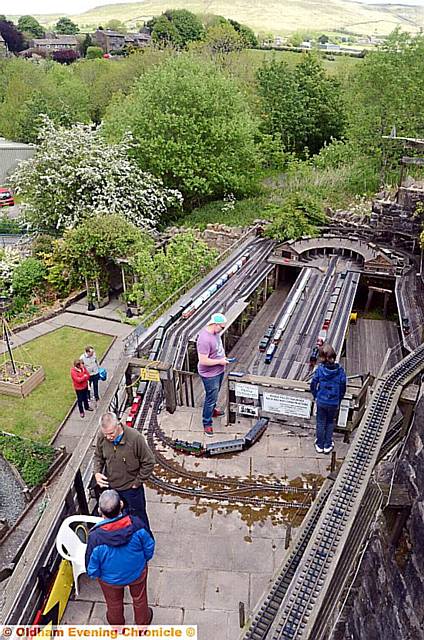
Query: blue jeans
x=135 y=502
x=94 y=382
x=212 y=387
x=325 y=425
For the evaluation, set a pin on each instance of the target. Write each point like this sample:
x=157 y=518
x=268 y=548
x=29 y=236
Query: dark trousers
x=212 y=387
x=135 y=502
x=114 y=596
x=94 y=382
x=325 y=425
x=82 y=399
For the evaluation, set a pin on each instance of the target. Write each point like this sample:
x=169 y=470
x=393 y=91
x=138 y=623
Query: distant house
x=330 y=46
x=279 y=40
x=306 y=45
x=56 y=43
x=109 y=40
x=3 y=48
x=113 y=41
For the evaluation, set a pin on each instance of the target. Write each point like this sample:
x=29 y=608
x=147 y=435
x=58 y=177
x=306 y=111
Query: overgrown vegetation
x=31 y=459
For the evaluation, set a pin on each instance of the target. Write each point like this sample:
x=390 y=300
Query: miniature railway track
x=203 y=487
x=343 y=522
x=266 y=615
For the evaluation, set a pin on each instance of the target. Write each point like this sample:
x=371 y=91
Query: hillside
x=274 y=16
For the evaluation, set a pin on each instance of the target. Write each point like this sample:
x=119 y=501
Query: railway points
x=244 y=500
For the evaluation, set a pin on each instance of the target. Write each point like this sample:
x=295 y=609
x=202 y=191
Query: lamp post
x=5 y=304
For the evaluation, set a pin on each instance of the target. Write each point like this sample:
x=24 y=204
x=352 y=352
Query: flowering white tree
x=75 y=174
x=9 y=260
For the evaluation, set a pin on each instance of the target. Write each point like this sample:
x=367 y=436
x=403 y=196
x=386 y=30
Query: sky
x=16 y=7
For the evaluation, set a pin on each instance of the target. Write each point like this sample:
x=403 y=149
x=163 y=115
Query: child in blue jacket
x=328 y=387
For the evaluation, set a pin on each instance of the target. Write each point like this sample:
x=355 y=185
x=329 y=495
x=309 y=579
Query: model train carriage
x=226 y=446
x=256 y=431
x=270 y=353
x=189 y=447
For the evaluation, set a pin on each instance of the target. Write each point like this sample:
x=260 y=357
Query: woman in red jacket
x=80 y=378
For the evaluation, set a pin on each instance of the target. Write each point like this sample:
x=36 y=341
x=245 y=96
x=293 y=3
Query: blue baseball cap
x=217 y=318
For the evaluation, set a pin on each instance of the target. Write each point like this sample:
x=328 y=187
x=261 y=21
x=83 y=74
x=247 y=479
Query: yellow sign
x=149 y=374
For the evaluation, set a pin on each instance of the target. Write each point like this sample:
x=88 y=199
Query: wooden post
x=242 y=615
x=333 y=461
x=288 y=537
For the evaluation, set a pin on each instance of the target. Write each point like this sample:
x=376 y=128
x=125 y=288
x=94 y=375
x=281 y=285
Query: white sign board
x=246 y=391
x=287 y=405
x=247 y=410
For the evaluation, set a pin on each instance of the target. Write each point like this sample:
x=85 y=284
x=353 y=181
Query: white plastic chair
x=70 y=547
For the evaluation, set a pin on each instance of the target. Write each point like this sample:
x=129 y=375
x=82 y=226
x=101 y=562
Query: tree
x=65 y=56
x=85 y=44
x=75 y=174
x=303 y=104
x=249 y=38
x=30 y=90
x=187 y=24
x=223 y=38
x=161 y=274
x=387 y=90
x=94 y=52
x=192 y=126
x=164 y=32
x=65 y=26
x=12 y=36
x=31 y=26
x=323 y=39
x=298 y=215
x=116 y=25
x=96 y=244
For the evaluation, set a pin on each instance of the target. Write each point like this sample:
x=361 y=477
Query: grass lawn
x=39 y=415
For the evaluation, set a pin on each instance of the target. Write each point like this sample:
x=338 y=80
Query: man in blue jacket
x=328 y=387
x=118 y=550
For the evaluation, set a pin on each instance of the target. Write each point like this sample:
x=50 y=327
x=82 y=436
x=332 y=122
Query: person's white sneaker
x=318 y=449
x=329 y=449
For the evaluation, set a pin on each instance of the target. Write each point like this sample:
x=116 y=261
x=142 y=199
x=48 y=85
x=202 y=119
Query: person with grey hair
x=118 y=550
x=123 y=461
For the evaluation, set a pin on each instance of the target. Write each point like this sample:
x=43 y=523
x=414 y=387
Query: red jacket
x=80 y=378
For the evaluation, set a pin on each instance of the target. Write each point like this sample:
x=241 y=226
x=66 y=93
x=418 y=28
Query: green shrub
x=94 y=52
x=298 y=215
x=28 y=277
x=31 y=459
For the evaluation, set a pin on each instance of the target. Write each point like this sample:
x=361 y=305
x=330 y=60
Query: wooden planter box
x=23 y=389
x=102 y=302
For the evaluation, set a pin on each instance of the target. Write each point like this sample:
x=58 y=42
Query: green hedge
x=31 y=459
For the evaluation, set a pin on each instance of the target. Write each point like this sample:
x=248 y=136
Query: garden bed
x=20 y=384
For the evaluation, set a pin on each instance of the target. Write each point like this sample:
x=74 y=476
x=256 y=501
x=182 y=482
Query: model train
x=264 y=344
x=200 y=300
x=224 y=446
x=184 y=311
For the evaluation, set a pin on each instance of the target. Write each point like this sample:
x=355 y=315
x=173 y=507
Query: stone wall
x=386 y=602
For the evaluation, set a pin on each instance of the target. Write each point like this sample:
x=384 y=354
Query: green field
x=271 y=16
x=39 y=415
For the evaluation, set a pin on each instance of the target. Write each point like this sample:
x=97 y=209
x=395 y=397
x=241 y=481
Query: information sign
x=149 y=374
x=287 y=405
x=247 y=410
x=244 y=390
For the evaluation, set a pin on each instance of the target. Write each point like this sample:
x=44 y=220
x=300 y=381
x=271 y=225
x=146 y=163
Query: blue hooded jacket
x=328 y=384
x=118 y=550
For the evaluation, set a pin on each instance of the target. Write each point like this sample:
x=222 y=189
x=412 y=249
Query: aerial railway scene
x=256 y=532
x=212 y=321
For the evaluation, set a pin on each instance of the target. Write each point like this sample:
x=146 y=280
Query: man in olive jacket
x=128 y=462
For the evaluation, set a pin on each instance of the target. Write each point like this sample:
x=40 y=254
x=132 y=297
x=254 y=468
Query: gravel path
x=12 y=502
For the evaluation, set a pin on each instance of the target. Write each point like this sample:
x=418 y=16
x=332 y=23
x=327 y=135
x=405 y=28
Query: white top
x=90 y=363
